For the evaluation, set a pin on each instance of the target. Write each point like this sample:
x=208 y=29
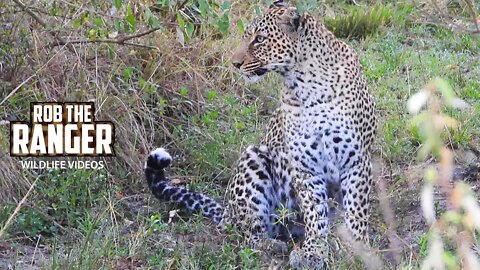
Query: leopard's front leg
x=312 y=198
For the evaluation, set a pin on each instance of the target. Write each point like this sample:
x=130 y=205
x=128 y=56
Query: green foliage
x=33 y=224
x=310 y=6
x=240 y=27
x=249 y=258
x=28 y=222
x=394 y=65
x=151 y=19
x=359 y=22
x=117 y=3
x=183 y=91
x=200 y=18
x=63 y=197
x=403 y=14
x=209 y=137
x=68 y=193
x=156 y=224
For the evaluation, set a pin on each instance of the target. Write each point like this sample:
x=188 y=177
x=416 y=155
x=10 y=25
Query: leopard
x=317 y=145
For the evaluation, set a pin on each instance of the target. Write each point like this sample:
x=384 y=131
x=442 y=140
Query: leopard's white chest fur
x=319 y=140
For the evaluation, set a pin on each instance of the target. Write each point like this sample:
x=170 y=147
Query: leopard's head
x=270 y=42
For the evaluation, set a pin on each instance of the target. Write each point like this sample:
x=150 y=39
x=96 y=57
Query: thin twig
x=43 y=24
x=99 y=40
x=122 y=40
x=16 y=88
x=35 y=251
x=17 y=209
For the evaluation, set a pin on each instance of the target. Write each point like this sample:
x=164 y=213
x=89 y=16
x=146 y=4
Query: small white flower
x=417 y=101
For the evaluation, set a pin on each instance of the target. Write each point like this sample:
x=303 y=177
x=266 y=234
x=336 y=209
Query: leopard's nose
x=237 y=64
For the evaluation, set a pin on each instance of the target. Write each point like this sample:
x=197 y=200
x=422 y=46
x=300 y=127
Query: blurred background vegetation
x=160 y=71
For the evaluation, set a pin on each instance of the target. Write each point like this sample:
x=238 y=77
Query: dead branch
x=121 y=41
x=43 y=24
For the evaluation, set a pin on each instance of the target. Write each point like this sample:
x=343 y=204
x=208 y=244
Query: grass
x=396 y=67
x=187 y=99
x=359 y=23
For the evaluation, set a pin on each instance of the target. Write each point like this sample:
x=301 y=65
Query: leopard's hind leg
x=252 y=201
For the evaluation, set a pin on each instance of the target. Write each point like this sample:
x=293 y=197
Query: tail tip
x=161 y=153
x=158 y=159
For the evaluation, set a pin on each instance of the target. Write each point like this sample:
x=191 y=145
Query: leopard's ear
x=279 y=3
x=292 y=19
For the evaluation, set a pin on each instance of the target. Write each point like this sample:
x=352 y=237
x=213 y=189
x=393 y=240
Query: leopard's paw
x=270 y=245
x=300 y=259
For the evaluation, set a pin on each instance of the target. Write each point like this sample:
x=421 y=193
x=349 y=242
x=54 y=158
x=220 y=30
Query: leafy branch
x=460 y=221
x=60 y=41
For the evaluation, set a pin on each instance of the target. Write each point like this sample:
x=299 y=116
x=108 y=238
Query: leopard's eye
x=259 y=39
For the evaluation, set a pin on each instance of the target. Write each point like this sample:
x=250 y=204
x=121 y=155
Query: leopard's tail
x=155 y=166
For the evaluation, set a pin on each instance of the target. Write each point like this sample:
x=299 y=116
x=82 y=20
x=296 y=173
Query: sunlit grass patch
x=359 y=22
